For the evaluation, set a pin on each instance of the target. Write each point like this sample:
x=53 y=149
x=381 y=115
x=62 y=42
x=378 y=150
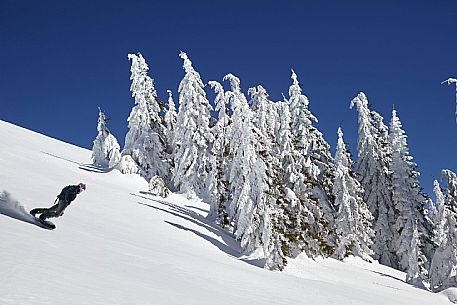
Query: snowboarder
x=66 y=196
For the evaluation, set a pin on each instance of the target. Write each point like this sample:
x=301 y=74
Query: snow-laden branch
x=453 y=81
x=450 y=81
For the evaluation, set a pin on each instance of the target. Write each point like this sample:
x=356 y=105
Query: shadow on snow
x=94 y=169
x=87 y=167
x=61 y=158
x=229 y=245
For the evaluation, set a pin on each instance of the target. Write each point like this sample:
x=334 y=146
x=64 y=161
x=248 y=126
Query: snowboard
x=45 y=224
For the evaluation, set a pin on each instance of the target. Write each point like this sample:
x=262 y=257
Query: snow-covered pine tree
x=243 y=149
x=443 y=270
x=193 y=135
x=353 y=219
x=310 y=180
x=264 y=114
x=170 y=123
x=381 y=135
x=270 y=137
x=261 y=220
x=372 y=170
x=431 y=211
x=319 y=163
x=409 y=202
x=241 y=144
x=253 y=225
x=218 y=186
x=415 y=274
x=284 y=142
x=252 y=202
x=437 y=215
x=145 y=140
x=106 y=149
x=287 y=227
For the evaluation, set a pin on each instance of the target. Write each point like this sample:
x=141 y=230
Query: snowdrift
x=118 y=244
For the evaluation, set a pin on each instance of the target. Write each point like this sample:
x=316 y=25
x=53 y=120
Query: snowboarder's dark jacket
x=68 y=193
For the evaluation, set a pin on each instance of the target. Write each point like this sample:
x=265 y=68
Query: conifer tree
x=317 y=161
x=284 y=142
x=353 y=219
x=408 y=201
x=241 y=149
x=218 y=187
x=283 y=133
x=381 y=136
x=310 y=179
x=253 y=226
x=267 y=127
x=145 y=140
x=263 y=227
x=106 y=150
x=246 y=180
x=170 y=122
x=443 y=270
x=264 y=114
x=251 y=182
x=437 y=216
x=192 y=134
x=289 y=238
x=415 y=274
x=372 y=170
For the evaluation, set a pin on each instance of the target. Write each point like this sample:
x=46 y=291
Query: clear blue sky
x=60 y=60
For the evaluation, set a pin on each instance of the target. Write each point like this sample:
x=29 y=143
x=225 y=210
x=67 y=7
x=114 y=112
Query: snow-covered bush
x=127 y=165
x=158 y=187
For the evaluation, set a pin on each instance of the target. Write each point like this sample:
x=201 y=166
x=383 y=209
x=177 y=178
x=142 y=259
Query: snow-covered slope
x=118 y=245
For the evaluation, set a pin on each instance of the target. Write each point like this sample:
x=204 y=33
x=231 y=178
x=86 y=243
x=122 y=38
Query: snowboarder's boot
x=34 y=212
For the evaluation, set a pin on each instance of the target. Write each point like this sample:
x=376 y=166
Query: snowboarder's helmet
x=82 y=187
